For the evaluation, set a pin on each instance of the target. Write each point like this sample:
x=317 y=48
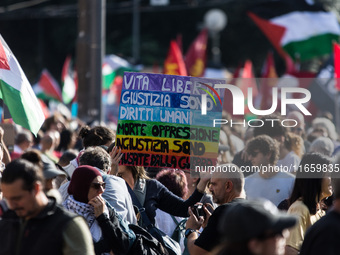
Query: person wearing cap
x=86 y=189
x=267 y=181
x=226 y=188
x=254 y=227
x=34 y=224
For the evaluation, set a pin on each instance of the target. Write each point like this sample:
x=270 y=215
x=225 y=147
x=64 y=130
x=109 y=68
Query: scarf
x=87 y=211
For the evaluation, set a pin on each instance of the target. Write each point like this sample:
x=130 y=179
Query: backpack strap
x=174 y=219
x=141 y=209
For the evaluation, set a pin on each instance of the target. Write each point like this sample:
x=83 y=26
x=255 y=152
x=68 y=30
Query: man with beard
x=34 y=223
x=226 y=186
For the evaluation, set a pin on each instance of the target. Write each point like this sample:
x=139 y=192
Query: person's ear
x=269 y=155
x=229 y=186
x=38 y=186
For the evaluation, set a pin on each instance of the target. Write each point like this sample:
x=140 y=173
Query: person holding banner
x=152 y=194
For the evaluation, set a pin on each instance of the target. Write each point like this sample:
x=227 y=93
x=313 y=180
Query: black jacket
x=39 y=235
x=158 y=196
x=114 y=238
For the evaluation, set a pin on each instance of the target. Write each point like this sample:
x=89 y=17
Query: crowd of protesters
x=65 y=192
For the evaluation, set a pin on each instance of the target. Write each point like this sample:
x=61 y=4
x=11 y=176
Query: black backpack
x=145 y=243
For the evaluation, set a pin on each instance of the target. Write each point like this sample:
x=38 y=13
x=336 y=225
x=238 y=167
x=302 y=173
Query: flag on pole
x=47 y=87
x=68 y=81
x=268 y=81
x=301 y=29
x=17 y=93
x=196 y=56
x=247 y=80
x=337 y=65
x=174 y=63
x=114 y=66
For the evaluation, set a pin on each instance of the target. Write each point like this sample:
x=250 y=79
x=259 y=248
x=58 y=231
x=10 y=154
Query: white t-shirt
x=275 y=189
x=290 y=162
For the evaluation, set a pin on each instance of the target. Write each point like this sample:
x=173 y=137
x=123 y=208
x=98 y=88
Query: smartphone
x=198 y=210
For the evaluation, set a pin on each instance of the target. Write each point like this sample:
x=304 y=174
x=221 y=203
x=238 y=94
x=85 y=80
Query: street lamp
x=215 y=20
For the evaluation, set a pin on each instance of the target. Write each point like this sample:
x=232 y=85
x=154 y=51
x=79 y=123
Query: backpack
x=145 y=243
x=179 y=231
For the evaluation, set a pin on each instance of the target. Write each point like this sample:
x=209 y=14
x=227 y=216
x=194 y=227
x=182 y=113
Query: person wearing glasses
x=268 y=180
x=86 y=189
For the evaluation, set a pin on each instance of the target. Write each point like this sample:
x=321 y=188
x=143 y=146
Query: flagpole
x=90 y=52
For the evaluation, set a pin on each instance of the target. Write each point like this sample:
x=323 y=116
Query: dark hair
x=65 y=139
x=308 y=185
x=174 y=180
x=25 y=170
x=96 y=136
x=265 y=145
x=67 y=157
x=23 y=136
x=34 y=157
x=53 y=119
x=97 y=157
x=270 y=128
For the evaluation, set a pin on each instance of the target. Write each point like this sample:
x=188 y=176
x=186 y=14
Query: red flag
x=196 y=56
x=174 y=63
x=336 y=48
x=228 y=99
x=268 y=81
x=49 y=85
x=247 y=80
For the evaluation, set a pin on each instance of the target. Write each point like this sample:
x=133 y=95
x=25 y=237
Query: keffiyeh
x=87 y=211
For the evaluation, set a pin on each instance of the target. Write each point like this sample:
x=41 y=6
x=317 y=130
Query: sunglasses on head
x=98 y=185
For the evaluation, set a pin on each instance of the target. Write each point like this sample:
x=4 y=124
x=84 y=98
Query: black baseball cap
x=254 y=219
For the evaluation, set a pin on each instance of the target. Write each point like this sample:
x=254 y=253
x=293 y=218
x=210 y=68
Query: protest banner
x=161 y=122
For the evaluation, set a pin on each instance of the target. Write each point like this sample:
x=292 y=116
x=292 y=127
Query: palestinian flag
x=17 y=93
x=47 y=87
x=301 y=29
x=114 y=66
x=68 y=80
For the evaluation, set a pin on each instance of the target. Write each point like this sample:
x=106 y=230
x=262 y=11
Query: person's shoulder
x=153 y=183
x=298 y=206
x=226 y=206
x=251 y=178
x=113 y=178
x=253 y=175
